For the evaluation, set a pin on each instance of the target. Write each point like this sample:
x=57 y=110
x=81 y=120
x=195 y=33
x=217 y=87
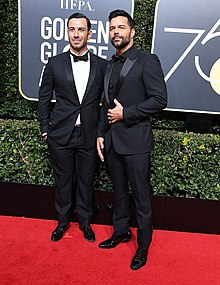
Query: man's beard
x=78 y=48
x=122 y=44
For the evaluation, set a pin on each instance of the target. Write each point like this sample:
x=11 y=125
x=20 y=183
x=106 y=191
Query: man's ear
x=89 y=35
x=132 y=32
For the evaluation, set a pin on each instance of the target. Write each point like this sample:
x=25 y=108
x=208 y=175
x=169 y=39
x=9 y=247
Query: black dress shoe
x=88 y=233
x=139 y=259
x=57 y=234
x=115 y=240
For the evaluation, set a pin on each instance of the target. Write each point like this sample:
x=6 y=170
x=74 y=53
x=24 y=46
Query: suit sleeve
x=45 y=97
x=156 y=92
x=103 y=122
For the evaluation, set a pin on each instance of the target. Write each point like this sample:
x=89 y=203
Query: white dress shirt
x=81 y=71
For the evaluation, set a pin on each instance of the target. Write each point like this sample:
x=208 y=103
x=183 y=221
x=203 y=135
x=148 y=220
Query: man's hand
x=44 y=137
x=100 y=147
x=116 y=114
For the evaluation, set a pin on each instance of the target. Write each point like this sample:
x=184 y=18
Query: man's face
x=78 y=34
x=121 y=34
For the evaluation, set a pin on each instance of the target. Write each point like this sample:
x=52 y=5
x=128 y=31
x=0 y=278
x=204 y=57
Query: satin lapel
x=106 y=81
x=125 y=69
x=92 y=73
x=69 y=73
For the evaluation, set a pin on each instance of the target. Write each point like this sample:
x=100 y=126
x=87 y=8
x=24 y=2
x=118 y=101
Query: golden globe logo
x=54 y=33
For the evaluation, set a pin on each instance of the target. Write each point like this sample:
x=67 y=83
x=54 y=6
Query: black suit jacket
x=142 y=92
x=59 y=121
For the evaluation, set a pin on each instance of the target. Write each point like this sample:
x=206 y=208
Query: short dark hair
x=122 y=13
x=78 y=16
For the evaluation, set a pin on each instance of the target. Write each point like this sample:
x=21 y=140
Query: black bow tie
x=80 y=57
x=117 y=57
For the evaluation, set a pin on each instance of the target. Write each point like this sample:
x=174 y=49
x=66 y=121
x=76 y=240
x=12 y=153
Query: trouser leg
x=121 y=214
x=138 y=169
x=63 y=168
x=85 y=168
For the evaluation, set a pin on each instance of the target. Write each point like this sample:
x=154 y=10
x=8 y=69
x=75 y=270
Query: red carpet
x=27 y=256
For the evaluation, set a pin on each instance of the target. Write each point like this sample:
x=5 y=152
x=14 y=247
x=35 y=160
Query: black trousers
x=69 y=161
x=136 y=170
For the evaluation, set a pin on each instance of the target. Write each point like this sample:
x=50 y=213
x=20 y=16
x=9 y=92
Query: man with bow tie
x=134 y=89
x=76 y=78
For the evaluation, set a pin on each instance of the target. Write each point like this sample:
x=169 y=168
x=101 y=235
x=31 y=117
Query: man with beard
x=70 y=126
x=134 y=89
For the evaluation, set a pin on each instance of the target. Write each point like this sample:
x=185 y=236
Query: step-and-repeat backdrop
x=43 y=33
x=187 y=41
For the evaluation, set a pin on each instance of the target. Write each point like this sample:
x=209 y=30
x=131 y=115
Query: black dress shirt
x=118 y=62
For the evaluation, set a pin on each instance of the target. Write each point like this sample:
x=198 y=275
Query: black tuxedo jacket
x=59 y=121
x=142 y=92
